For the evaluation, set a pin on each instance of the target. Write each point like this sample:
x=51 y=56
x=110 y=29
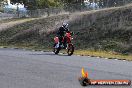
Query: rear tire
x=70 y=49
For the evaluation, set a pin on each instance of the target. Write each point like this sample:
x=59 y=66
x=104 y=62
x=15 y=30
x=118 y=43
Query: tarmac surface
x=36 y=69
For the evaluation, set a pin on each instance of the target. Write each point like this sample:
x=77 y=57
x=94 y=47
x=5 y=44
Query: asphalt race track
x=35 y=69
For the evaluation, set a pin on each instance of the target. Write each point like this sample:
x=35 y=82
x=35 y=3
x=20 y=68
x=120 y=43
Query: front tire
x=70 y=49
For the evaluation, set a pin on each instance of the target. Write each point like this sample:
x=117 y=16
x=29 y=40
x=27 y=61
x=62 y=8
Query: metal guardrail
x=6 y=16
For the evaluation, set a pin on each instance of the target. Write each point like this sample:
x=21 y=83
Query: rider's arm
x=66 y=29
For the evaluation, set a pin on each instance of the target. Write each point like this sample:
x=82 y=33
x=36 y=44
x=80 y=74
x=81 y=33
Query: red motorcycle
x=69 y=46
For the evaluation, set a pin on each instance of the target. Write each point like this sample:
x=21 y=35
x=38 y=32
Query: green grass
x=104 y=54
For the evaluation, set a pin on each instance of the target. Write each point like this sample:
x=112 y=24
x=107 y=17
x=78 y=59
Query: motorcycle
x=69 y=46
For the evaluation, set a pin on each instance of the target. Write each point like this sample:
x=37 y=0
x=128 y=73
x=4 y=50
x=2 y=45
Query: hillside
x=106 y=29
x=30 y=33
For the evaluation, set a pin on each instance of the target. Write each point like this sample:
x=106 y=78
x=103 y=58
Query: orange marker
x=84 y=81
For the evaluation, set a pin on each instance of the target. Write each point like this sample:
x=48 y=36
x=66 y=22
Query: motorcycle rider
x=61 y=34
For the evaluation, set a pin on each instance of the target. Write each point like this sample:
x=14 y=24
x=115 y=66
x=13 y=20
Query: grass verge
x=103 y=54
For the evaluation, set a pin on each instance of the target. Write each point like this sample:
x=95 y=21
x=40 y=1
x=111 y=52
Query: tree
x=49 y=3
x=34 y=4
x=72 y=1
x=1 y=0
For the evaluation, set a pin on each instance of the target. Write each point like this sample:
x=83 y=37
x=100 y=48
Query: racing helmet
x=65 y=25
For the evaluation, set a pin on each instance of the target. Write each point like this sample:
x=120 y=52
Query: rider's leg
x=60 y=40
x=64 y=43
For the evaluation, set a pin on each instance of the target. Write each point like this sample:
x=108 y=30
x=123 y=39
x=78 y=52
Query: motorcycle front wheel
x=70 y=49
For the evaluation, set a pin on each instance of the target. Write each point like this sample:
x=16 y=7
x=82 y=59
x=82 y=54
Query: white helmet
x=65 y=25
